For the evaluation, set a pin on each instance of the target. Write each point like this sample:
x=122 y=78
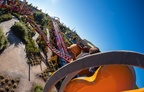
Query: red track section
x=61 y=44
x=66 y=57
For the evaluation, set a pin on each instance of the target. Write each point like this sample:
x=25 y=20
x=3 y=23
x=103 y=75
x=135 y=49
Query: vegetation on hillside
x=38 y=88
x=25 y=34
x=20 y=30
x=3 y=41
x=41 y=43
x=5 y=17
x=43 y=20
x=31 y=47
x=40 y=18
x=8 y=84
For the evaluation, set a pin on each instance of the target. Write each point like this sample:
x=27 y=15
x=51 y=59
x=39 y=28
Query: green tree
x=20 y=30
x=5 y=17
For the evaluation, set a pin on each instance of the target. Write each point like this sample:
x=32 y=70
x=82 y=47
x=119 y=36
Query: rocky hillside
x=13 y=62
x=16 y=73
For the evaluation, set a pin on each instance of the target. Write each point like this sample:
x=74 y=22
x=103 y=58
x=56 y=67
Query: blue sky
x=108 y=24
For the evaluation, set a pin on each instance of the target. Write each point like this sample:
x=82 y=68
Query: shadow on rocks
x=13 y=39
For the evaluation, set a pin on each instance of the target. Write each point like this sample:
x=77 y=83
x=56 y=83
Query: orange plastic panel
x=111 y=78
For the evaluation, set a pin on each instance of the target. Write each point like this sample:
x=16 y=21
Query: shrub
x=20 y=30
x=23 y=19
x=3 y=41
x=5 y=17
x=40 y=18
x=38 y=88
x=31 y=47
x=15 y=85
x=7 y=88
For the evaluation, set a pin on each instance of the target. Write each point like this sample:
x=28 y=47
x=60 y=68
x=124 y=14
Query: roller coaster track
x=59 y=39
x=61 y=54
x=98 y=59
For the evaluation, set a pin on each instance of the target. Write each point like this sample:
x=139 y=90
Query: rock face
x=13 y=61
